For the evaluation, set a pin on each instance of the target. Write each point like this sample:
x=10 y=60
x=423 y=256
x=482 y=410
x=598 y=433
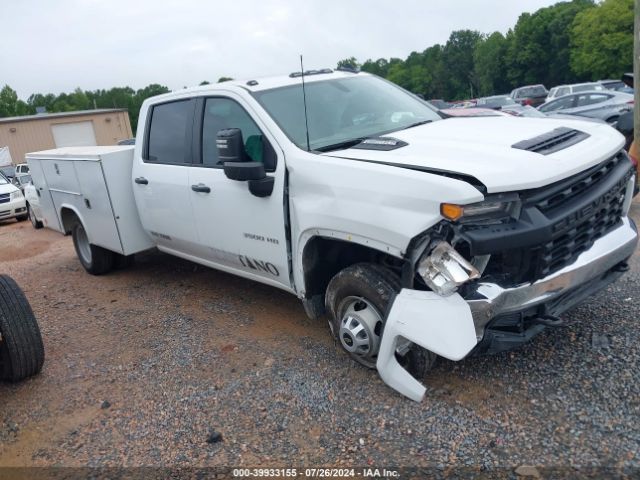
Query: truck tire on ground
x=21 y=348
x=22 y=218
x=123 y=261
x=95 y=260
x=37 y=224
x=357 y=300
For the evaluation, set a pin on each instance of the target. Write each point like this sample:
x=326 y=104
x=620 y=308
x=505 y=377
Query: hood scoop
x=553 y=141
x=380 y=143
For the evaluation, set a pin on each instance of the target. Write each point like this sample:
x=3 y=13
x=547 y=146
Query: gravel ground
x=143 y=365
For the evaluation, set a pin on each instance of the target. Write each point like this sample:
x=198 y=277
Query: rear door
x=238 y=231
x=161 y=176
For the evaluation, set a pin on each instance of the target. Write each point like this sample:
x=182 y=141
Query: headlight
x=17 y=195
x=443 y=269
x=492 y=208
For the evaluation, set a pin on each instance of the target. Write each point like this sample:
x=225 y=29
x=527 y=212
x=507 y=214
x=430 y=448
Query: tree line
x=573 y=41
x=568 y=42
x=117 y=97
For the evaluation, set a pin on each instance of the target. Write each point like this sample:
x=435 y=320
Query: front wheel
x=95 y=260
x=357 y=300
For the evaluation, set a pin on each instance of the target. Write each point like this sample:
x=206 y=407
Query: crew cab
x=415 y=235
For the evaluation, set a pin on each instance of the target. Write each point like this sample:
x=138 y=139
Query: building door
x=76 y=134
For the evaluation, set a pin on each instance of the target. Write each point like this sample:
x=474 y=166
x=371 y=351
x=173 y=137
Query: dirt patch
x=26 y=250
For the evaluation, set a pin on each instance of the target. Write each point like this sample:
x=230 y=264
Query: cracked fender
x=443 y=325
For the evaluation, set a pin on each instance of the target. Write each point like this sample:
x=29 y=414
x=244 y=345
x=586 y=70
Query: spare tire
x=21 y=348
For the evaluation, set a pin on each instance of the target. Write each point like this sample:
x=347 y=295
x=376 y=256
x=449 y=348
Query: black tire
x=377 y=285
x=21 y=348
x=123 y=261
x=37 y=224
x=22 y=218
x=95 y=260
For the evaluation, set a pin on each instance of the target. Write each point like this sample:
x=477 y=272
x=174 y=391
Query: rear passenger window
x=591 y=99
x=170 y=124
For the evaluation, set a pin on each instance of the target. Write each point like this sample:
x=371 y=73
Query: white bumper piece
x=443 y=325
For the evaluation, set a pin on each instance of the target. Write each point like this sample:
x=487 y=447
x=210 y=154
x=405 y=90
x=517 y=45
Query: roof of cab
x=261 y=83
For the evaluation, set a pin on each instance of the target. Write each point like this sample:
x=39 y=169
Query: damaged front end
x=493 y=275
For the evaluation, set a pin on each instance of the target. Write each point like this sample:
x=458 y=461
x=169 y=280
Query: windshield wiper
x=340 y=145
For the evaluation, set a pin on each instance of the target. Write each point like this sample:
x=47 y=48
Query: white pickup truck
x=416 y=235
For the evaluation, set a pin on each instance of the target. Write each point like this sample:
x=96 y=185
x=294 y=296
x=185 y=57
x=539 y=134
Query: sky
x=54 y=46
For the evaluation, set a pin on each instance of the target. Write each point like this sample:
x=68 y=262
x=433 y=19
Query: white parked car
x=32 y=199
x=562 y=90
x=22 y=169
x=12 y=203
x=415 y=235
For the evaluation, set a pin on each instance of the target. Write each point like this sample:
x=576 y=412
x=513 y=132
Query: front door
x=238 y=231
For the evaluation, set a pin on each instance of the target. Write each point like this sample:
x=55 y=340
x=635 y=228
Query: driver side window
x=222 y=113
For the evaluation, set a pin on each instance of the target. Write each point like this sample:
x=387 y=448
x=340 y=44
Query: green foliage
x=602 y=40
x=568 y=42
x=538 y=46
x=488 y=59
x=10 y=105
x=117 y=97
x=458 y=62
x=350 y=62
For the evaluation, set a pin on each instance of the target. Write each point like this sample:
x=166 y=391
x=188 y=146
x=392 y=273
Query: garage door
x=78 y=134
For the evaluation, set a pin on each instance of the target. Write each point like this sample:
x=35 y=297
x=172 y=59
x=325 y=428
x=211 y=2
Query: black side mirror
x=262 y=187
x=260 y=184
x=230 y=146
x=242 y=171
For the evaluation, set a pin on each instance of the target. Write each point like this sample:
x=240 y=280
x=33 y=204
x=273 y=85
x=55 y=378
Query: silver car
x=605 y=105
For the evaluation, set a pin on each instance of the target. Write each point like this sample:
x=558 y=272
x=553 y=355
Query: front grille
x=4 y=197
x=567 y=246
x=575 y=213
x=548 y=198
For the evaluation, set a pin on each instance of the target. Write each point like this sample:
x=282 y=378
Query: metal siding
x=35 y=135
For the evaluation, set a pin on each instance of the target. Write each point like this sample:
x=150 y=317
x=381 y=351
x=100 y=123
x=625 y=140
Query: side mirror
x=260 y=184
x=242 y=171
x=230 y=146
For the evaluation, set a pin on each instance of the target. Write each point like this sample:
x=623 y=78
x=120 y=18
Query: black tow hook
x=550 y=321
x=621 y=267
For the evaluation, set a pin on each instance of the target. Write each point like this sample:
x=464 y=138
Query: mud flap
x=443 y=325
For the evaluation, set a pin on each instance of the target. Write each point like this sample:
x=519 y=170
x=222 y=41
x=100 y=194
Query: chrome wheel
x=360 y=329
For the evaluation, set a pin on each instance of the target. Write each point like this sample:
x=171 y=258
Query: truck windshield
x=343 y=110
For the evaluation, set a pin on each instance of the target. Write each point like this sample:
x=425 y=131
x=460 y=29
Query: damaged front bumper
x=452 y=326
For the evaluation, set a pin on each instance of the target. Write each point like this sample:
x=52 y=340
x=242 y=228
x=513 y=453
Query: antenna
x=304 y=99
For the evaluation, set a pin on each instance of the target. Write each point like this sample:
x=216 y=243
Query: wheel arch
x=323 y=255
x=68 y=216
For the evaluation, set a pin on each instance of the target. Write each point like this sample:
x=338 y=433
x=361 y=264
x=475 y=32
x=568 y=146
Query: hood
x=8 y=188
x=483 y=148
